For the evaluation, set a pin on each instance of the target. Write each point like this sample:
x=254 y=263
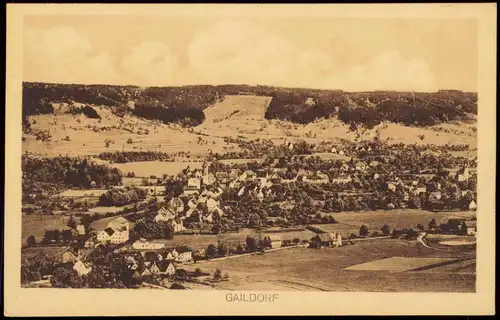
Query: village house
x=193 y=186
x=111 y=235
x=329 y=239
x=177 y=225
x=143 y=244
x=247 y=175
x=274 y=240
x=209 y=179
x=391 y=186
x=82 y=268
x=463 y=175
x=342 y=179
x=166 y=268
x=172 y=255
x=165 y=214
x=90 y=243
x=176 y=205
x=212 y=203
x=316 y=178
x=435 y=195
x=472 y=205
x=469 y=227
x=80 y=229
x=185 y=254
x=421 y=188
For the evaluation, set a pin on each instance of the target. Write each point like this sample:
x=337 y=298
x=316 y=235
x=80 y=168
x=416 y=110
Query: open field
x=202 y=241
x=313 y=269
x=396 y=219
x=398 y=264
x=92 y=193
x=155 y=168
x=36 y=225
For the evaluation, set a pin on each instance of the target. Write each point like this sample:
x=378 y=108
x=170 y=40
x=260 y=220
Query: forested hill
x=185 y=105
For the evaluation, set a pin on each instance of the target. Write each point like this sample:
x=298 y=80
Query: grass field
x=82 y=193
x=155 y=168
x=350 y=222
x=36 y=225
x=313 y=269
x=398 y=264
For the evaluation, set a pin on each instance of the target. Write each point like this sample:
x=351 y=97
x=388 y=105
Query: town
x=126 y=231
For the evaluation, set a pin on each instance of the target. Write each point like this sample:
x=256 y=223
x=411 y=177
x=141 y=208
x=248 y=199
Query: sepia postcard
x=259 y=159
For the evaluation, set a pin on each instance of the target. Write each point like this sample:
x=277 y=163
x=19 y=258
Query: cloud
x=61 y=54
x=150 y=64
x=238 y=52
x=388 y=70
x=230 y=52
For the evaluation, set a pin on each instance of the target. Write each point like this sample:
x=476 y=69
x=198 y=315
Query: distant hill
x=184 y=104
x=85 y=120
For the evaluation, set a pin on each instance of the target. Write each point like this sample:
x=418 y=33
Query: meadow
x=36 y=225
x=322 y=269
x=350 y=222
x=155 y=168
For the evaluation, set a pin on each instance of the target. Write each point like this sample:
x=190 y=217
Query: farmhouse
x=470 y=227
x=111 y=235
x=329 y=239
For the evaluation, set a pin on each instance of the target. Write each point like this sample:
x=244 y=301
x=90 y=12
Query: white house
x=165 y=214
x=209 y=179
x=177 y=225
x=111 y=235
x=80 y=228
x=470 y=227
x=166 y=268
x=212 y=203
x=82 y=268
x=176 y=205
x=185 y=255
x=472 y=205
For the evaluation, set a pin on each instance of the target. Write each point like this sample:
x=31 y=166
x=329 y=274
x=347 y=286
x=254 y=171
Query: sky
x=312 y=52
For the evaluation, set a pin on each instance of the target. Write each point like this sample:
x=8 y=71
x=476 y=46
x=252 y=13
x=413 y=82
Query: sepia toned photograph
x=249 y=154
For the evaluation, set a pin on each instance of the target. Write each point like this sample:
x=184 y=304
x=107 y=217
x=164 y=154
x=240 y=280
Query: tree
x=432 y=224
x=385 y=230
x=72 y=223
x=363 y=231
x=252 y=244
x=217 y=275
x=211 y=251
x=66 y=236
x=31 y=241
x=395 y=234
